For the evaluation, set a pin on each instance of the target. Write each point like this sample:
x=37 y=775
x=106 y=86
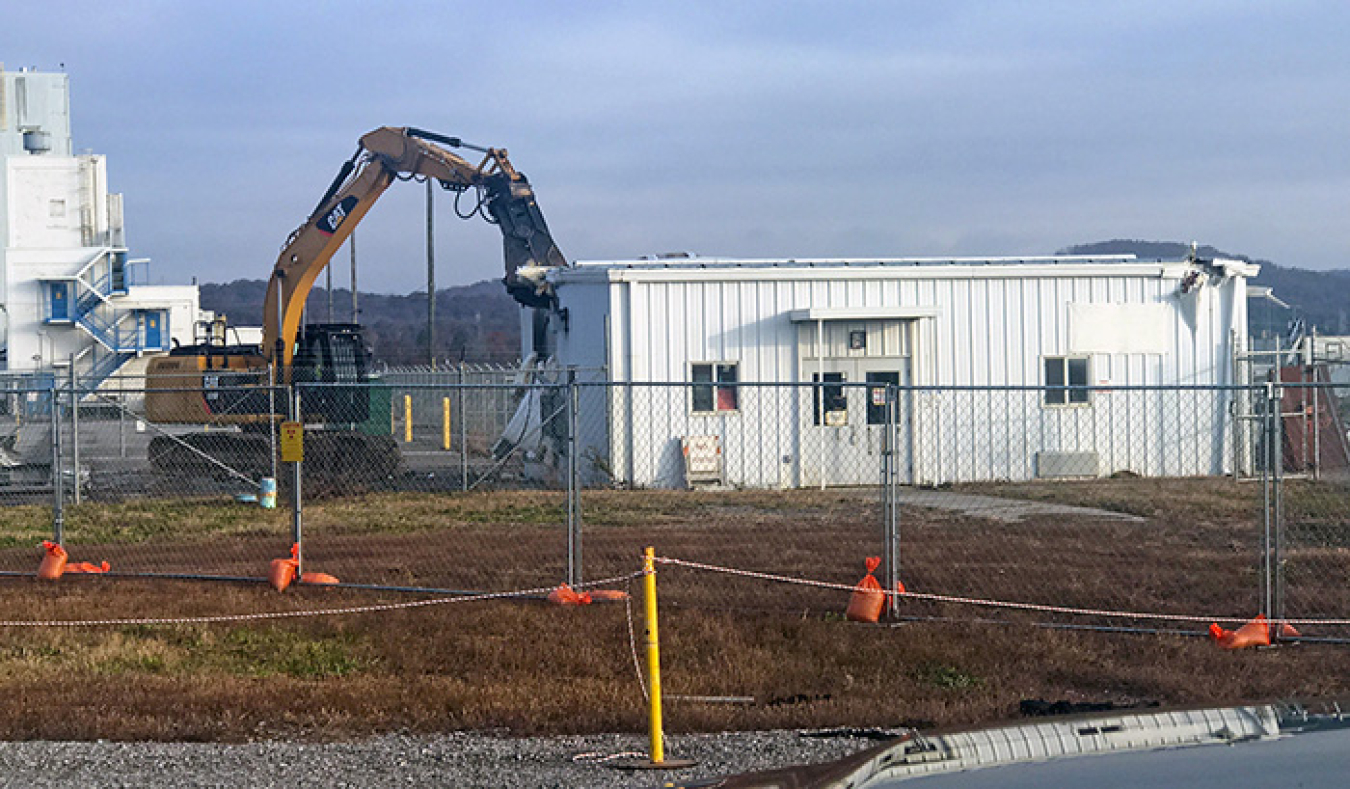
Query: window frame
x=717 y=386
x=830 y=388
x=1068 y=397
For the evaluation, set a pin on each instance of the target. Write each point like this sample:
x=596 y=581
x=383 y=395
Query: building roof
x=688 y=267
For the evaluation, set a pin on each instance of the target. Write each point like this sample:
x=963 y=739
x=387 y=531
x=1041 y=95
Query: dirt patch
x=528 y=667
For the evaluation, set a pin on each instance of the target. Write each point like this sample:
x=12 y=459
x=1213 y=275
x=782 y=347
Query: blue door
x=60 y=301
x=152 y=330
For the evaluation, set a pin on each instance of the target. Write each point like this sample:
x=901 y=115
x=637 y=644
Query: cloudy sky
x=748 y=129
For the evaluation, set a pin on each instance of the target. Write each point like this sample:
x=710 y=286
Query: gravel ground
x=454 y=760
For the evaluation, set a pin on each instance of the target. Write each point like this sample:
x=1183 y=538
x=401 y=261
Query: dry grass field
x=524 y=666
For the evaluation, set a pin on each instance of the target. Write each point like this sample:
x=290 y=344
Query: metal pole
x=1277 y=491
x=431 y=281
x=122 y=423
x=573 y=486
x=351 y=241
x=463 y=433
x=889 y=476
x=271 y=415
x=58 y=494
x=75 y=428
x=297 y=500
x=820 y=396
x=1269 y=455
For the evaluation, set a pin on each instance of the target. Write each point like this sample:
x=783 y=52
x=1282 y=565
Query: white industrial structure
x=68 y=290
x=1099 y=323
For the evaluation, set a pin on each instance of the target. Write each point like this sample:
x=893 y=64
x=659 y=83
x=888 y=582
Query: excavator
x=213 y=382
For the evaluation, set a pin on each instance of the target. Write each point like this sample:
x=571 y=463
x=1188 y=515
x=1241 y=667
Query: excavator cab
x=333 y=354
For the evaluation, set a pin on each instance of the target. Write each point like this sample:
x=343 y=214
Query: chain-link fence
x=1308 y=495
x=986 y=502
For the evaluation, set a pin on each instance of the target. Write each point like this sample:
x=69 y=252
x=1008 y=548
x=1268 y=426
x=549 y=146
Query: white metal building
x=1101 y=323
x=68 y=288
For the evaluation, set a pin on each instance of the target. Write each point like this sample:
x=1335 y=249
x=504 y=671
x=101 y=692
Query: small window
x=714 y=387
x=835 y=406
x=1066 y=380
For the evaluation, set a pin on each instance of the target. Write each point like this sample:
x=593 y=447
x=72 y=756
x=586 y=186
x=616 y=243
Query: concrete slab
x=1004 y=510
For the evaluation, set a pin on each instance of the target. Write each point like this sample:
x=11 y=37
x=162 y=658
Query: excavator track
x=335 y=462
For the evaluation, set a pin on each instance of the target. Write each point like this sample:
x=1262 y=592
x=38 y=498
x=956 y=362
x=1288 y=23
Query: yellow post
x=658 y=751
x=445 y=423
x=407 y=419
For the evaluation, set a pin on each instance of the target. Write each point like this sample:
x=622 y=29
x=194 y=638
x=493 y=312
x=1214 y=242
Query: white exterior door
x=843 y=418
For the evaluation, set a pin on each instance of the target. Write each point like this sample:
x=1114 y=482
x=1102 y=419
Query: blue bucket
x=268 y=498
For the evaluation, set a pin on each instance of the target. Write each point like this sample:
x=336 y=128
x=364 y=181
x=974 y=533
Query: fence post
x=121 y=420
x=297 y=500
x=890 y=495
x=1271 y=480
x=273 y=427
x=1277 y=489
x=573 y=485
x=74 y=432
x=58 y=493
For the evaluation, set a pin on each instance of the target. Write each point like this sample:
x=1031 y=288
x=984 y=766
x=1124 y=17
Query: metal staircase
x=88 y=300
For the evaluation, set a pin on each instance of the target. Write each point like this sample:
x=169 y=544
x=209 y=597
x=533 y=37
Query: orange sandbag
x=868 y=599
x=281 y=572
x=1255 y=633
x=54 y=562
x=88 y=567
x=318 y=578
x=566 y=595
x=608 y=595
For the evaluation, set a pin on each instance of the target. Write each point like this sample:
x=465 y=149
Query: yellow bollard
x=445 y=423
x=407 y=419
x=658 y=748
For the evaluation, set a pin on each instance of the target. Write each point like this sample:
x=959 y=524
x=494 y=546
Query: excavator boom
x=390 y=153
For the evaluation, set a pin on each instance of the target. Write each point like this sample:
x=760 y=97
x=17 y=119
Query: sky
x=734 y=129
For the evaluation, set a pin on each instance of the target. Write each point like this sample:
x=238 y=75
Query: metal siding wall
x=988 y=331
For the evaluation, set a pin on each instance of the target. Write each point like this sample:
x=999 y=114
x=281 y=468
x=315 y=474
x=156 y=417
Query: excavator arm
x=385 y=154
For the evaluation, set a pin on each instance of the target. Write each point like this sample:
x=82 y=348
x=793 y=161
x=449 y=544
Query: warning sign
x=292 y=442
x=702 y=460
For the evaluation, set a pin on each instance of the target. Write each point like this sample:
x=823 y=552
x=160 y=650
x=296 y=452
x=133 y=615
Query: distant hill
x=474 y=323
x=1321 y=298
